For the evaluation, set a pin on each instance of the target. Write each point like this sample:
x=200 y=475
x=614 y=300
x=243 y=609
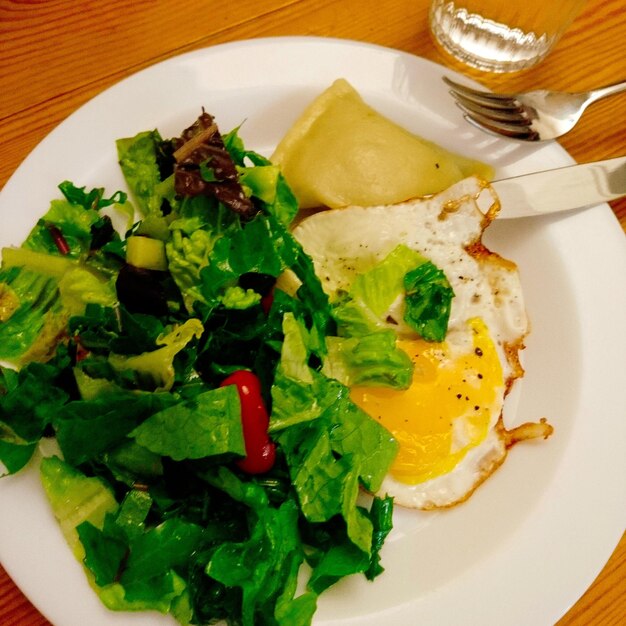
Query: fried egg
x=448 y=423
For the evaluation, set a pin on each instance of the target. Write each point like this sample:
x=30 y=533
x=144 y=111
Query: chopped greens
x=122 y=364
x=403 y=274
x=428 y=300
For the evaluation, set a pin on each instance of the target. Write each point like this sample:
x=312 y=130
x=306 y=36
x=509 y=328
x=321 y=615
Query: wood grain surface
x=57 y=54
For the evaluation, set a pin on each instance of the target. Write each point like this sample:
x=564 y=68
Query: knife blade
x=562 y=189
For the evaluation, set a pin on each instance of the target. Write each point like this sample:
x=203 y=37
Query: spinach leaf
x=428 y=301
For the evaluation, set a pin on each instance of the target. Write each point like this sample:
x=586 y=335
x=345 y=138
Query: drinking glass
x=501 y=35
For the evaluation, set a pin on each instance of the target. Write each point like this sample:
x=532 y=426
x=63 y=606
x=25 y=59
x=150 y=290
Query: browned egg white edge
x=493 y=459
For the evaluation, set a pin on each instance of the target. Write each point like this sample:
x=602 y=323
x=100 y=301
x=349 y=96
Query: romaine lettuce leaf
x=103 y=553
x=137 y=570
x=13 y=456
x=264 y=246
x=75 y=498
x=86 y=429
x=207 y=425
x=200 y=222
x=79 y=287
x=138 y=159
x=268 y=585
x=72 y=220
x=28 y=403
x=33 y=307
x=82 y=506
x=372 y=359
x=403 y=281
x=331 y=446
x=381 y=515
x=129 y=462
x=106 y=329
x=38 y=294
x=342 y=559
x=153 y=555
x=157 y=366
x=373 y=293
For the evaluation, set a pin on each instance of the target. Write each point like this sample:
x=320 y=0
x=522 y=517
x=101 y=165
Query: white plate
x=532 y=539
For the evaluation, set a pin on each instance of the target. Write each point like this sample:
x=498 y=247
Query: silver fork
x=531 y=116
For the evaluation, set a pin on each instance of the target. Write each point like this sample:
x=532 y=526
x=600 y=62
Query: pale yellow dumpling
x=341 y=152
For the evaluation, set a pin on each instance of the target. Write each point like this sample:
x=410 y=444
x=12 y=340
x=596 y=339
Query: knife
x=562 y=189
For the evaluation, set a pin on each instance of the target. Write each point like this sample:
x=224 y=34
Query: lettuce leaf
x=199 y=224
x=404 y=281
x=372 y=294
x=86 y=429
x=29 y=401
x=106 y=329
x=138 y=159
x=331 y=445
x=372 y=359
x=262 y=180
x=207 y=425
x=93 y=199
x=157 y=366
x=14 y=456
x=40 y=288
x=264 y=246
x=73 y=221
x=268 y=585
x=382 y=519
x=75 y=498
x=34 y=306
x=154 y=554
x=76 y=218
x=79 y=287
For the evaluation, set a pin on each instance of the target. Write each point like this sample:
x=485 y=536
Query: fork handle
x=603 y=92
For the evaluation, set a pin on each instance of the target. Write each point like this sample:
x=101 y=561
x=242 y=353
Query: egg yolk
x=448 y=407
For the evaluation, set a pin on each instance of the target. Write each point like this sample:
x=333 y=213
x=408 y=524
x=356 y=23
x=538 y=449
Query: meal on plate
x=238 y=395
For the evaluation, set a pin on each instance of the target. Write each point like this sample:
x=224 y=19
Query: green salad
x=210 y=457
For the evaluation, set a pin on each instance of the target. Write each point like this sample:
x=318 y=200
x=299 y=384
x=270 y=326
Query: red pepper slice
x=58 y=238
x=260 y=450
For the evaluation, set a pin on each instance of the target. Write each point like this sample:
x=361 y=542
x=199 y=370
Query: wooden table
x=57 y=54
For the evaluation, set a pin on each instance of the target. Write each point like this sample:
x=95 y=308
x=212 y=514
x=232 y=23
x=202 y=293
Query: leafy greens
x=122 y=364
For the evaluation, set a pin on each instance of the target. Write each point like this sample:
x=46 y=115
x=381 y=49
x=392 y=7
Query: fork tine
x=485 y=102
x=497 y=114
x=492 y=108
x=514 y=131
x=476 y=94
x=510 y=116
